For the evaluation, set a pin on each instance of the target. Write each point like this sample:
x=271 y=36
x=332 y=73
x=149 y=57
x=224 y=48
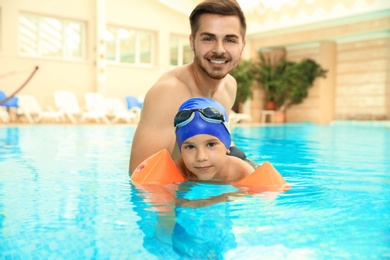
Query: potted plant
x=243 y=74
x=297 y=78
x=268 y=74
x=285 y=82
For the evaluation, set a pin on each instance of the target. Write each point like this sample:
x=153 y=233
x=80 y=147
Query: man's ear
x=228 y=151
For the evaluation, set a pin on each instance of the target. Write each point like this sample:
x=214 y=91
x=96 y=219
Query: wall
x=363 y=79
x=309 y=109
x=125 y=80
x=81 y=76
x=358 y=56
x=52 y=74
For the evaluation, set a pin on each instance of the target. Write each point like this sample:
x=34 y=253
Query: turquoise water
x=65 y=194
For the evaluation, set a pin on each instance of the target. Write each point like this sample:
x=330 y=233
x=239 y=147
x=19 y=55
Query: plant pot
x=270 y=105
x=279 y=117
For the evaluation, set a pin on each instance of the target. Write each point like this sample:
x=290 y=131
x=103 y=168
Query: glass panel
x=180 y=50
x=28 y=35
x=50 y=38
x=145 y=43
x=187 y=54
x=73 y=41
x=174 y=46
x=110 y=44
x=127 y=45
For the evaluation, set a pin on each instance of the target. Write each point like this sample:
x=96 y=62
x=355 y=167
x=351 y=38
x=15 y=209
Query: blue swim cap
x=198 y=125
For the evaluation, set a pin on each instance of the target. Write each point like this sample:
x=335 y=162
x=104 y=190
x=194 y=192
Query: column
x=327 y=60
x=100 y=55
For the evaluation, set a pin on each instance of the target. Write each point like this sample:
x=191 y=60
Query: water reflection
x=191 y=220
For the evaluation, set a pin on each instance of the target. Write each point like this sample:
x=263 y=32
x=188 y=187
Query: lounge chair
x=95 y=105
x=239 y=117
x=29 y=107
x=66 y=102
x=133 y=102
x=8 y=108
x=4 y=116
x=117 y=111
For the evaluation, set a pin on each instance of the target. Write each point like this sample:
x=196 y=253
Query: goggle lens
x=182 y=117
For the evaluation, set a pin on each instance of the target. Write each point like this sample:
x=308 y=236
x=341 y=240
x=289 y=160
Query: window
x=180 y=50
x=43 y=36
x=129 y=46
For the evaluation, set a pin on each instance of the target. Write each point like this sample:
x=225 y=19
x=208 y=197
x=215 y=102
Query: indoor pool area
x=65 y=193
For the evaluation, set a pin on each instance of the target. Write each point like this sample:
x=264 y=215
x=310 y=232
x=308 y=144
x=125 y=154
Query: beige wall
x=363 y=79
x=125 y=80
x=358 y=61
x=81 y=76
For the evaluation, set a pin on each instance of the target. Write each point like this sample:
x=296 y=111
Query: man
x=217 y=39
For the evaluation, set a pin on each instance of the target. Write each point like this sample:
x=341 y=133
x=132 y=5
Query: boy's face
x=204 y=155
x=218 y=44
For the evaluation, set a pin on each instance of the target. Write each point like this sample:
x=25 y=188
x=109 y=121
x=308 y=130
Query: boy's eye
x=211 y=144
x=189 y=147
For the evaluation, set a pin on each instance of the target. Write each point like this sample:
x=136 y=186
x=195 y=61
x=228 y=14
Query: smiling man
x=217 y=39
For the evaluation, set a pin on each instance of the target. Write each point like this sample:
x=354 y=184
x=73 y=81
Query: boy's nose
x=201 y=155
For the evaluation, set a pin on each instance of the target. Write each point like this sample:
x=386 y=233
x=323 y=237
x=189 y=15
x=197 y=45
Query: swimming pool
x=65 y=194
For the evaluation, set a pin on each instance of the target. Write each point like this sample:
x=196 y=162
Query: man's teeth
x=218 y=61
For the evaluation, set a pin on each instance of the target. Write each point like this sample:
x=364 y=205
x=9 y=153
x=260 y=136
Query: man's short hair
x=219 y=7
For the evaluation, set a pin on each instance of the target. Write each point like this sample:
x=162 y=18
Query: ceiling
x=264 y=16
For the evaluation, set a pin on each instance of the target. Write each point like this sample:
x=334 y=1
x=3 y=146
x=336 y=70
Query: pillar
x=327 y=60
x=100 y=54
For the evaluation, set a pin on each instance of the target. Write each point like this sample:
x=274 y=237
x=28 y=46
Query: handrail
x=21 y=87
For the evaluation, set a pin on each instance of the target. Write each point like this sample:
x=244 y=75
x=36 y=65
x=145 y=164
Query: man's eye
x=189 y=147
x=230 y=40
x=207 y=39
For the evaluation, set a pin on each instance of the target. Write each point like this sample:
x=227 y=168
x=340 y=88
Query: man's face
x=218 y=44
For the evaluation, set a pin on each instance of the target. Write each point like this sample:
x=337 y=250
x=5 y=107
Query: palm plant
x=243 y=74
x=286 y=82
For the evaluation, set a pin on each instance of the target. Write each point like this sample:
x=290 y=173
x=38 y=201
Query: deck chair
x=7 y=109
x=235 y=118
x=95 y=105
x=4 y=116
x=29 y=107
x=12 y=102
x=66 y=102
x=117 y=111
x=133 y=102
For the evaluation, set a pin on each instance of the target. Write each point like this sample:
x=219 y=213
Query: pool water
x=65 y=194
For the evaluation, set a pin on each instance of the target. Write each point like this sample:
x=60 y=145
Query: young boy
x=204 y=140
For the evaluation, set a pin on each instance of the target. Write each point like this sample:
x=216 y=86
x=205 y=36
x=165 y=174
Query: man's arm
x=155 y=130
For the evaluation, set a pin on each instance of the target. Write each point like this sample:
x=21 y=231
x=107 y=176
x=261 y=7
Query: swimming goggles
x=208 y=114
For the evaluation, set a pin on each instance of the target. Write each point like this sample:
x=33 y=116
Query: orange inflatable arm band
x=157 y=169
x=264 y=178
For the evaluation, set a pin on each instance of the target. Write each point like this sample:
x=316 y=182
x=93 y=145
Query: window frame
x=137 y=46
x=183 y=43
x=63 y=47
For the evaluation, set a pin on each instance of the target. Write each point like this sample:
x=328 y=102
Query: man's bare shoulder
x=167 y=94
x=175 y=78
x=231 y=85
